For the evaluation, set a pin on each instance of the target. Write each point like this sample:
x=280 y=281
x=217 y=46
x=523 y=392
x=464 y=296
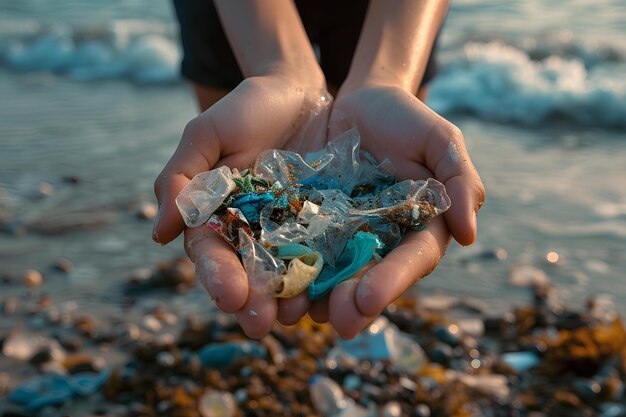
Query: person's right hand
x=261 y=113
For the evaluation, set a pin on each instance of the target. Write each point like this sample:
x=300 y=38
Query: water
x=539 y=90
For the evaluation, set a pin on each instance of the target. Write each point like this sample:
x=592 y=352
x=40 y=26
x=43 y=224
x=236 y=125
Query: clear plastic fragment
x=261 y=267
x=204 y=194
x=287 y=167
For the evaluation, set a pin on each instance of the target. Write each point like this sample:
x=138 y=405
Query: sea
x=92 y=106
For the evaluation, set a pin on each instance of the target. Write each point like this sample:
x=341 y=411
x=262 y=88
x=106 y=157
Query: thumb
x=198 y=151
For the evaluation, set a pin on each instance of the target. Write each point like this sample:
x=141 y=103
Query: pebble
x=217 y=404
x=146 y=211
x=440 y=352
x=151 y=323
x=449 y=334
x=32 y=278
x=9 y=306
x=527 y=276
x=45 y=189
x=391 y=409
x=165 y=359
x=72 y=179
x=63 y=265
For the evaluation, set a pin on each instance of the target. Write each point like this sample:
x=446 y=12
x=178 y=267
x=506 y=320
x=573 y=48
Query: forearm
x=267 y=37
x=395 y=43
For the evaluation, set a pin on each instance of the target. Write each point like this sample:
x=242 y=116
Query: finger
x=318 y=311
x=217 y=268
x=415 y=257
x=344 y=315
x=197 y=152
x=291 y=310
x=449 y=160
x=258 y=315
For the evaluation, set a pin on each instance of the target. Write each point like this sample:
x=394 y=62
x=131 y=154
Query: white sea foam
x=530 y=83
x=143 y=51
x=500 y=82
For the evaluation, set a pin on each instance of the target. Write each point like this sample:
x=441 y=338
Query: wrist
x=355 y=82
x=307 y=75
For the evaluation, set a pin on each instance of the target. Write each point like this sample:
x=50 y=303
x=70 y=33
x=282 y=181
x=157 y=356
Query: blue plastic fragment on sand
x=367 y=346
x=88 y=383
x=251 y=204
x=520 y=361
x=221 y=355
x=358 y=252
x=42 y=391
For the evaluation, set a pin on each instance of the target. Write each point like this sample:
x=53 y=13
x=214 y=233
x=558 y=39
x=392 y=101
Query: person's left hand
x=394 y=124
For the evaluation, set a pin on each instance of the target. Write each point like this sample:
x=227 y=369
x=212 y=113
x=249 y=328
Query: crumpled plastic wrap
x=328 y=213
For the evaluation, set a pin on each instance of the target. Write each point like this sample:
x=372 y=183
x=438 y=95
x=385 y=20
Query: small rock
x=45 y=189
x=9 y=305
x=472 y=327
x=86 y=326
x=217 y=404
x=146 y=211
x=32 y=278
x=165 y=359
x=449 y=334
x=72 y=179
x=23 y=347
x=139 y=276
x=151 y=323
x=63 y=265
x=391 y=409
x=128 y=332
x=499 y=254
x=440 y=353
x=528 y=276
x=422 y=410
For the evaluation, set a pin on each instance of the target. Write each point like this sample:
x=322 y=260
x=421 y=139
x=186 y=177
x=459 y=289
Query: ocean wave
x=501 y=82
x=145 y=52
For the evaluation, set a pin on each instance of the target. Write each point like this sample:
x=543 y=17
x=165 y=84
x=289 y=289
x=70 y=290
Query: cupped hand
x=394 y=124
x=261 y=113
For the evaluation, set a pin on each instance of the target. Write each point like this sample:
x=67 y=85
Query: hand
x=262 y=112
x=394 y=124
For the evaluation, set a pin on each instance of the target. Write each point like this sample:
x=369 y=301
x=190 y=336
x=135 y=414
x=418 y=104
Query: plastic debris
x=339 y=203
x=383 y=341
x=204 y=194
x=42 y=391
x=54 y=389
x=520 y=361
x=331 y=401
x=221 y=355
x=359 y=251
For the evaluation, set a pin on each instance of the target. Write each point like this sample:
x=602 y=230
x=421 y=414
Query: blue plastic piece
x=367 y=346
x=358 y=252
x=251 y=204
x=42 y=391
x=222 y=355
x=88 y=383
x=520 y=361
